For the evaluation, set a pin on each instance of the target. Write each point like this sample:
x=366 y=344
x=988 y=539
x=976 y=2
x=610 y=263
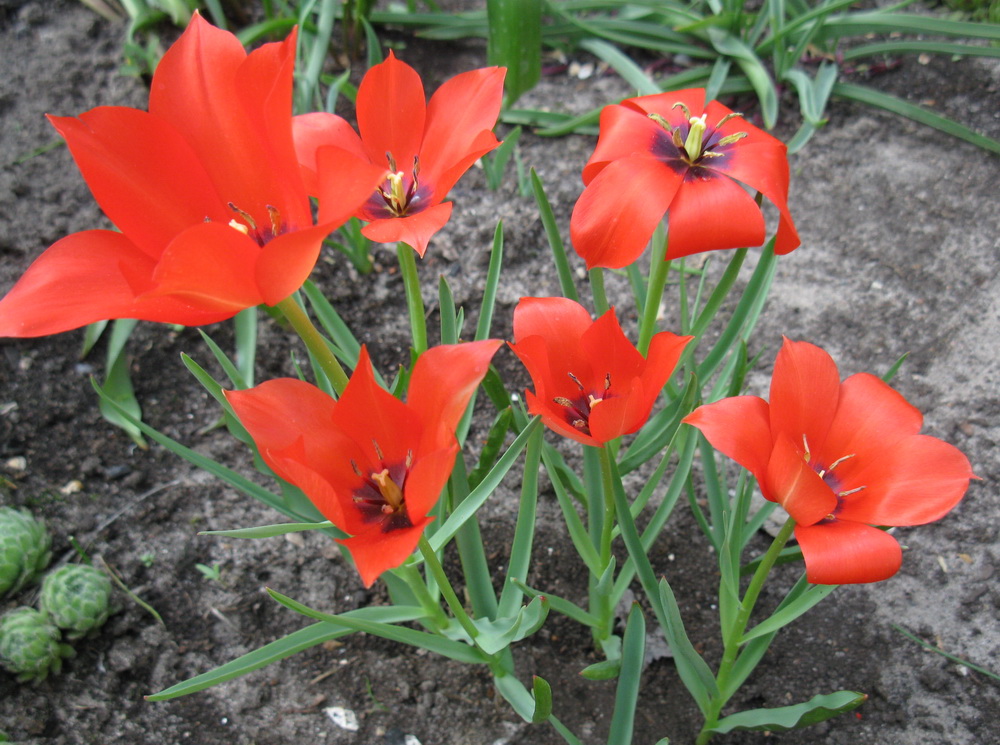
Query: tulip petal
x=212 y=265
x=429 y=475
x=319 y=129
x=142 y=173
x=711 y=212
x=391 y=111
x=871 y=418
x=286 y=262
x=615 y=216
x=558 y=320
x=915 y=481
x=373 y=415
x=547 y=333
x=344 y=183
x=86 y=277
x=739 y=427
x=264 y=84
x=554 y=417
x=610 y=351
x=444 y=180
x=665 y=350
x=625 y=131
x=840 y=552
x=279 y=412
x=621 y=415
x=443 y=381
x=293 y=465
x=414 y=230
x=795 y=486
x=805 y=389
x=375 y=552
x=196 y=88
x=460 y=117
x=763 y=165
x=666 y=105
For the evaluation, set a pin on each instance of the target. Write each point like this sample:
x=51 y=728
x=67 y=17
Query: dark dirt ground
x=900 y=228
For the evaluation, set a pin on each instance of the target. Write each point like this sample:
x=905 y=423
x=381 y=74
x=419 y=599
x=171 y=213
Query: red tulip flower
x=840 y=457
x=205 y=189
x=671 y=153
x=373 y=465
x=591 y=383
x=426 y=147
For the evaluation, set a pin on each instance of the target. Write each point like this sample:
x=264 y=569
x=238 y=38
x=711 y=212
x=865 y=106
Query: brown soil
x=899 y=254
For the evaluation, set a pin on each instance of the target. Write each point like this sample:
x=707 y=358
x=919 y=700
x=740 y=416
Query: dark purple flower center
x=261 y=234
x=579 y=408
x=379 y=498
x=692 y=144
x=831 y=479
x=401 y=193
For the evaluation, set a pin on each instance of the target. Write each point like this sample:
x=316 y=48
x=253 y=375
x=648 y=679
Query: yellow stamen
x=683 y=107
x=730 y=139
x=661 y=121
x=390 y=491
x=247 y=217
x=839 y=461
x=275 y=219
x=727 y=117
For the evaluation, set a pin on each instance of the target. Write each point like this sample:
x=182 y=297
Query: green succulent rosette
x=30 y=645
x=77 y=599
x=25 y=549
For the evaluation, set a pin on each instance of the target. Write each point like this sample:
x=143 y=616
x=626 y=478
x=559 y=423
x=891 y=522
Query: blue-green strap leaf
x=297 y=641
x=421 y=639
x=783 y=718
x=627 y=693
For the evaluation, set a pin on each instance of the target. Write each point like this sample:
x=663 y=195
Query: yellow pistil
x=692 y=147
x=397 y=194
x=235 y=225
x=390 y=491
x=696 y=136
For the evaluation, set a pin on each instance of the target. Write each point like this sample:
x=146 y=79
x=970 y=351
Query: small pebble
x=72 y=487
x=343 y=718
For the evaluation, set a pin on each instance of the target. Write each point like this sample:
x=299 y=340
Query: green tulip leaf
x=783 y=718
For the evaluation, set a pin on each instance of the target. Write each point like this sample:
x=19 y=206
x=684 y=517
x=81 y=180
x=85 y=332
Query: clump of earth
x=899 y=227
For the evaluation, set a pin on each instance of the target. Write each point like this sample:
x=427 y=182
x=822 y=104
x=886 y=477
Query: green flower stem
x=609 y=504
x=601 y=603
x=434 y=564
x=659 y=268
x=315 y=342
x=732 y=636
x=410 y=574
x=597 y=290
x=414 y=301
